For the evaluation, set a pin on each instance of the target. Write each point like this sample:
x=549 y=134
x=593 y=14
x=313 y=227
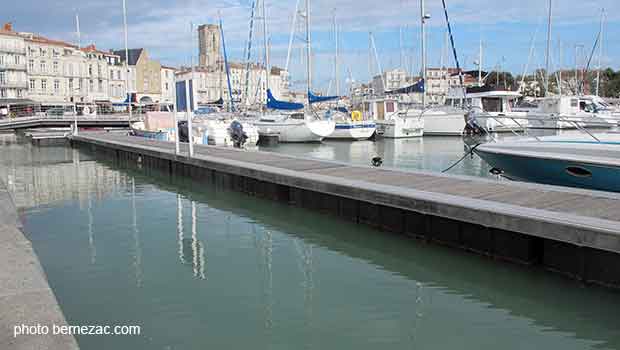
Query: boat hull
x=160 y=135
x=443 y=124
x=399 y=127
x=302 y=131
x=353 y=131
x=550 y=171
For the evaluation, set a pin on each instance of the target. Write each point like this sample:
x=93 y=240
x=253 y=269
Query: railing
x=20 y=50
x=13 y=66
x=13 y=84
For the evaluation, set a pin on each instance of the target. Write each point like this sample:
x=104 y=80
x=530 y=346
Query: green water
x=198 y=267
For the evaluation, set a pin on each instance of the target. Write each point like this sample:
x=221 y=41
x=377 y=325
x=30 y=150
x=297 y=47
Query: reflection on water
x=198 y=267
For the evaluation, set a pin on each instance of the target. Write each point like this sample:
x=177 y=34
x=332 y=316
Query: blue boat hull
x=554 y=171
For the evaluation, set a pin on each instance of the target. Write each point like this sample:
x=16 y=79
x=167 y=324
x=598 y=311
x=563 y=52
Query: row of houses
x=54 y=72
x=439 y=82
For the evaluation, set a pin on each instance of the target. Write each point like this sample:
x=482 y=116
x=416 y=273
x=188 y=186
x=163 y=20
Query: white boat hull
x=400 y=127
x=292 y=130
x=444 y=124
x=353 y=131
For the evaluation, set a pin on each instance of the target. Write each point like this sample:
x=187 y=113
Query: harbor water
x=199 y=267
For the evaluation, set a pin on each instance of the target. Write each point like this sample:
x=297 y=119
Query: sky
x=506 y=28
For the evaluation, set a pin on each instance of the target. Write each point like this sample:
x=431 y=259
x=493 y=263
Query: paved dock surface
x=579 y=217
x=25 y=295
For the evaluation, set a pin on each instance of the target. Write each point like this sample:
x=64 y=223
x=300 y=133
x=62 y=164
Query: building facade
x=213 y=85
x=146 y=74
x=167 y=84
x=13 y=75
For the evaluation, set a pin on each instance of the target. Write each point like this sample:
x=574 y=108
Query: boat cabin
x=380 y=108
x=569 y=105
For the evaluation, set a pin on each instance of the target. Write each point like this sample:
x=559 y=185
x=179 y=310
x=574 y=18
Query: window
x=166 y=86
x=55 y=66
x=44 y=85
x=90 y=70
x=20 y=93
x=33 y=85
x=2 y=77
x=1 y=59
x=71 y=86
x=492 y=104
x=98 y=70
x=56 y=86
x=55 y=53
x=2 y=92
x=43 y=66
x=100 y=85
x=91 y=85
x=31 y=65
x=389 y=107
x=80 y=84
x=118 y=74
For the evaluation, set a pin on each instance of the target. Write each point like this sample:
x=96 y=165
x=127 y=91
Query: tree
x=501 y=80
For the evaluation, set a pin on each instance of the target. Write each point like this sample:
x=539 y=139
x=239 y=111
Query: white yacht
x=492 y=110
x=218 y=129
x=295 y=126
x=351 y=126
x=570 y=112
x=391 y=121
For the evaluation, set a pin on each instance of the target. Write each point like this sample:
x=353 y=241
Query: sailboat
x=395 y=123
x=288 y=121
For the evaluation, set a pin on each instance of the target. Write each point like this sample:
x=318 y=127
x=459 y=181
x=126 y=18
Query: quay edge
x=25 y=295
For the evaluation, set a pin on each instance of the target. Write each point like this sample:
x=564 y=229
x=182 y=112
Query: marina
x=187 y=253
x=284 y=175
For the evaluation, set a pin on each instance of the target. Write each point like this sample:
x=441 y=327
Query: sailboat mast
x=77 y=28
x=266 y=47
x=423 y=49
x=308 y=52
x=336 y=70
x=560 y=69
x=547 y=55
x=600 y=55
x=126 y=59
x=480 y=64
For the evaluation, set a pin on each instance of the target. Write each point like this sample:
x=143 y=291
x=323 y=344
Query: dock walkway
x=573 y=231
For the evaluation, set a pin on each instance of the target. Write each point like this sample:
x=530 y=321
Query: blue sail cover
x=312 y=98
x=417 y=87
x=272 y=103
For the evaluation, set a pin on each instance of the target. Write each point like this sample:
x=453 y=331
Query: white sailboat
x=292 y=125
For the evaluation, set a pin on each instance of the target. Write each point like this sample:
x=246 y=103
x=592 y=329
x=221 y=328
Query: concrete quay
x=25 y=295
x=570 y=231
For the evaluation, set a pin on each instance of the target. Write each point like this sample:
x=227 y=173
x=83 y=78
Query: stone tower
x=209 y=45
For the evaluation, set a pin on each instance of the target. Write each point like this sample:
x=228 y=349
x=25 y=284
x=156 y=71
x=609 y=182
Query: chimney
x=8 y=27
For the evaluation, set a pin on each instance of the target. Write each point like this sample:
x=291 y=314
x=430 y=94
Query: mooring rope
x=470 y=152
